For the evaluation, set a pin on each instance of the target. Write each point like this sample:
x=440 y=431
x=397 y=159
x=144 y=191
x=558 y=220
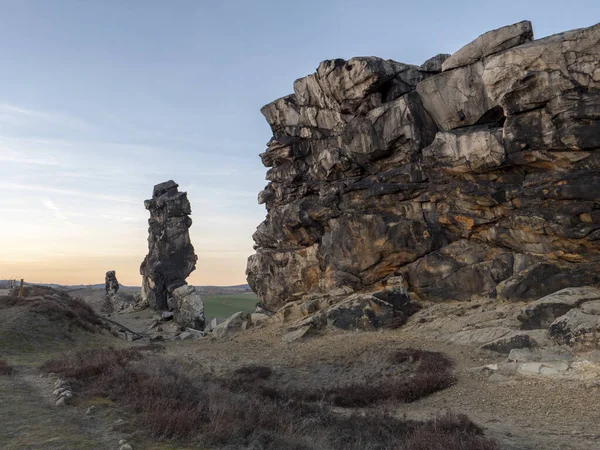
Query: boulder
x=489 y=43
x=237 y=322
x=543 y=312
x=510 y=341
x=296 y=334
x=457 y=98
x=576 y=328
x=434 y=64
x=188 y=307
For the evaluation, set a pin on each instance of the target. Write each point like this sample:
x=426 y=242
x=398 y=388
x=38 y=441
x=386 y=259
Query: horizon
x=100 y=102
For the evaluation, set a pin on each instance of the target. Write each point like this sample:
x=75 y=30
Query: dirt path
x=31 y=420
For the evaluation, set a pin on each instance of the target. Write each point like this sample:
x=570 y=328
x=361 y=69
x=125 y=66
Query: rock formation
x=473 y=174
x=112 y=300
x=171 y=257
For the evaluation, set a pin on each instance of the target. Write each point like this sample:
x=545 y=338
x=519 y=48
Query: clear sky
x=102 y=99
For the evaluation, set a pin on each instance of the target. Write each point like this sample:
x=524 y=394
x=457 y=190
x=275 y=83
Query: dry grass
x=233 y=412
x=55 y=305
x=5 y=369
x=402 y=376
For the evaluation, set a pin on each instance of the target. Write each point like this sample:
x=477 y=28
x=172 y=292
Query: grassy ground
x=224 y=305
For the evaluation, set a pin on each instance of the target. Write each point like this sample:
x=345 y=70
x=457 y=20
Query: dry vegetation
x=5 y=369
x=242 y=410
x=55 y=305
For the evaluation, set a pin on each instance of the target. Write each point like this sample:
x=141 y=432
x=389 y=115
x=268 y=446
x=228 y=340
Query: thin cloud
x=13 y=114
x=70 y=192
x=55 y=210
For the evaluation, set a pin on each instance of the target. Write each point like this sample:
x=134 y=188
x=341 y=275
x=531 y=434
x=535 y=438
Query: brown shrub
x=420 y=373
x=5 y=369
x=234 y=413
x=56 y=305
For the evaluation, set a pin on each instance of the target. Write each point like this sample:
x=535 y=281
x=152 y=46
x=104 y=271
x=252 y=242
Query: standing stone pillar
x=171 y=256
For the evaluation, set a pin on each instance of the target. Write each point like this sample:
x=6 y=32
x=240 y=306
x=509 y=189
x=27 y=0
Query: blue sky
x=100 y=100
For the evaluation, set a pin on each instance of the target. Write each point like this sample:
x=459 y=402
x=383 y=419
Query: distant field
x=224 y=305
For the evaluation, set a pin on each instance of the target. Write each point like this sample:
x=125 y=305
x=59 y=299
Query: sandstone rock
x=296 y=334
x=434 y=64
x=457 y=98
x=510 y=341
x=542 y=312
x=171 y=257
x=113 y=302
x=468 y=150
x=543 y=279
x=576 y=328
x=489 y=43
x=188 y=307
x=235 y=323
x=360 y=311
x=480 y=181
x=591 y=307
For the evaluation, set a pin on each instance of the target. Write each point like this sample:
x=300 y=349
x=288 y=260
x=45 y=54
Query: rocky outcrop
x=113 y=302
x=171 y=257
x=481 y=179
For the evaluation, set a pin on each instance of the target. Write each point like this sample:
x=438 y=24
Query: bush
x=419 y=373
x=5 y=369
x=55 y=305
x=234 y=413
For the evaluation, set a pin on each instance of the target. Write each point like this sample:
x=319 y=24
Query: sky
x=102 y=99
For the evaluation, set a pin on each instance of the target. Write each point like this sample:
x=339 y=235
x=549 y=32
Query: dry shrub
x=420 y=373
x=56 y=305
x=5 y=369
x=234 y=413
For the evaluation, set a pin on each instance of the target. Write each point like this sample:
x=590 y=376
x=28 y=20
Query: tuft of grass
x=234 y=412
x=5 y=369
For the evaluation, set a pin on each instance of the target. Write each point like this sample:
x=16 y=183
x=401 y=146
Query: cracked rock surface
x=481 y=179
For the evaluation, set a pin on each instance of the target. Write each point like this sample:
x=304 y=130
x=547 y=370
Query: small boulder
x=61 y=401
x=166 y=315
x=543 y=312
x=510 y=341
x=296 y=334
x=189 y=309
x=576 y=328
x=235 y=323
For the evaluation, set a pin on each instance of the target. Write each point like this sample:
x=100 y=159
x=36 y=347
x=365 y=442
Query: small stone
x=90 y=410
x=122 y=442
x=166 y=315
x=61 y=402
x=65 y=394
x=126 y=447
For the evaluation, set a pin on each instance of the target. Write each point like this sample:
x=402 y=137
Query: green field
x=224 y=305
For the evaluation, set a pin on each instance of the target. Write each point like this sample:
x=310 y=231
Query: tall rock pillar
x=171 y=256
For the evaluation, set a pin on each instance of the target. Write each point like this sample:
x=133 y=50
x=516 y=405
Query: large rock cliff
x=473 y=174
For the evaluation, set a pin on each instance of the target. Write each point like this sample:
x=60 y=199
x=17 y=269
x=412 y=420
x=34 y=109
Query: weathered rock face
x=481 y=179
x=111 y=284
x=171 y=256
